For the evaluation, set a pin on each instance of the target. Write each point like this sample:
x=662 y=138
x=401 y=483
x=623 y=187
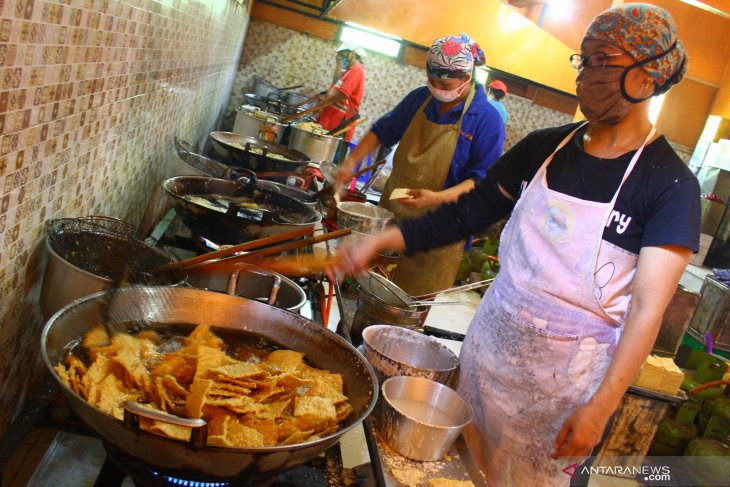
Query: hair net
x=350 y=46
x=453 y=56
x=647 y=33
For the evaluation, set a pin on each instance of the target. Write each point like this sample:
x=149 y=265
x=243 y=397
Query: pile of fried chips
x=277 y=401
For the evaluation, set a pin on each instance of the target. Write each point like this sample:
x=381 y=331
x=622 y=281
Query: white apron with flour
x=541 y=340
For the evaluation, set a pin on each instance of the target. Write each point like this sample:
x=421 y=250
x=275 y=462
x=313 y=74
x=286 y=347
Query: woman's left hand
x=421 y=198
x=581 y=431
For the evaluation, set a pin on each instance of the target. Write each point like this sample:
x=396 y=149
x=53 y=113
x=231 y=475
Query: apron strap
x=629 y=168
x=538 y=174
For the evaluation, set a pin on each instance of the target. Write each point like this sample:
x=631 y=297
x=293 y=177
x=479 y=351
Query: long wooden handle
x=351 y=126
x=262 y=242
x=295 y=266
x=208 y=266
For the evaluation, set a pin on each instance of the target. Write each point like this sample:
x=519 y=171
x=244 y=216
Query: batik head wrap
x=453 y=57
x=649 y=35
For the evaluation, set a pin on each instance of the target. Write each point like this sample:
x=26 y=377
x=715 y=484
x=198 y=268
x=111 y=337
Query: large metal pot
x=249 y=121
x=271 y=104
x=278 y=214
x=316 y=144
x=84 y=262
x=255 y=154
x=253 y=283
x=166 y=305
x=291 y=98
x=264 y=88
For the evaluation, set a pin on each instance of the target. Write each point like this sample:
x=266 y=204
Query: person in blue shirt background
x=448 y=136
x=497 y=91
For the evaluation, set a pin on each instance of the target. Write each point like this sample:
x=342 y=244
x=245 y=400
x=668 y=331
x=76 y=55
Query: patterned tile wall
x=91 y=94
x=286 y=57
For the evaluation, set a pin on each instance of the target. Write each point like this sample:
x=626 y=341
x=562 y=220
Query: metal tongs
x=425 y=299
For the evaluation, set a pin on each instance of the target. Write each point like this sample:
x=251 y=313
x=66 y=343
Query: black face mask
x=602 y=92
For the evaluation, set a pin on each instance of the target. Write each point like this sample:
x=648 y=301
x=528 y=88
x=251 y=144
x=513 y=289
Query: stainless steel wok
x=168 y=305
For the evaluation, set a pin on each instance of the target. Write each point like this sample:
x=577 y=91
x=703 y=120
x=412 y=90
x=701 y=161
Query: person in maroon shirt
x=343 y=97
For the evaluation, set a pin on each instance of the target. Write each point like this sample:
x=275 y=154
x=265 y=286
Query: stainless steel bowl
x=365 y=218
x=422 y=418
x=396 y=351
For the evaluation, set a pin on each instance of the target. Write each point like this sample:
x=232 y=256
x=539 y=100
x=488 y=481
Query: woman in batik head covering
x=448 y=135
x=604 y=219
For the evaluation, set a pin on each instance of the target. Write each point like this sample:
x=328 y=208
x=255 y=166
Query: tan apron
x=422 y=161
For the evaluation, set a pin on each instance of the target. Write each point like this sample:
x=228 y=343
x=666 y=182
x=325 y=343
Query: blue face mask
x=345 y=63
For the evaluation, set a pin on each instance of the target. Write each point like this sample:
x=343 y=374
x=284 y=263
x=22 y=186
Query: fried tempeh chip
x=247 y=404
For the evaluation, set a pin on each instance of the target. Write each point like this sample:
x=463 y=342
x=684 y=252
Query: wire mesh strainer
x=383 y=290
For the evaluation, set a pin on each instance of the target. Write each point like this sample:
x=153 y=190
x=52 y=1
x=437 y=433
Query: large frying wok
x=221 y=209
x=200 y=165
x=256 y=154
x=167 y=305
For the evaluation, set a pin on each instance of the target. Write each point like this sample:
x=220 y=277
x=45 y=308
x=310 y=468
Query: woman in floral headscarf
x=448 y=135
x=604 y=219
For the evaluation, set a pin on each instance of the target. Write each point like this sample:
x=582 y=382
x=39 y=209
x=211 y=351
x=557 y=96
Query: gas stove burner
x=167 y=480
x=119 y=466
x=324 y=470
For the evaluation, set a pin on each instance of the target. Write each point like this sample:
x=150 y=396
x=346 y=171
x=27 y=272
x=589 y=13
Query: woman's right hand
x=354 y=258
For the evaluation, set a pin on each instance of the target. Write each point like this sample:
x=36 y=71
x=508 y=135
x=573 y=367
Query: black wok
x=205 y=166
x=256 y=154
x=222 y=211
x=167 y=305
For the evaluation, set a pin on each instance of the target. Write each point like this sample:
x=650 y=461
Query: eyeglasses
x=595 y=60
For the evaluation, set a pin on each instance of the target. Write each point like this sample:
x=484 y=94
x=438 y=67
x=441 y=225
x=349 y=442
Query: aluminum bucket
x=422 y=418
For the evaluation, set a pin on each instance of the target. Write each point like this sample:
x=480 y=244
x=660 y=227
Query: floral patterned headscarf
x=649 y=35
x=453 y=57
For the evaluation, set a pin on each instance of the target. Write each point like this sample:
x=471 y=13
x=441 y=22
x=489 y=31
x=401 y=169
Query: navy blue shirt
x=481 y=138
x=659 y=204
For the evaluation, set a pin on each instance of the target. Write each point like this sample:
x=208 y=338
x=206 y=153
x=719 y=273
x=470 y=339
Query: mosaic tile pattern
x=91 y=94
x=275 y=53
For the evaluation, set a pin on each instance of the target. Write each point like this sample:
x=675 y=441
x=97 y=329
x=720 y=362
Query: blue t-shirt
x=501 y=109
x=481 y=137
